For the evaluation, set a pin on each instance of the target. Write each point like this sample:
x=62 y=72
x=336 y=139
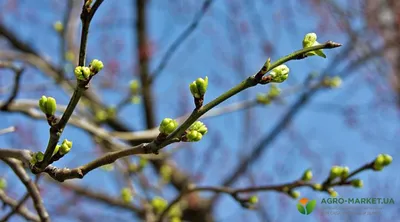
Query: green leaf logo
x=306 y=207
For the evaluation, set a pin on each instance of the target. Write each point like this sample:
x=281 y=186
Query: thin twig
x=57 y=129
x=23 y=211
x=18 y=73
x=181 y=38
x=30 y=187
x=7 y=130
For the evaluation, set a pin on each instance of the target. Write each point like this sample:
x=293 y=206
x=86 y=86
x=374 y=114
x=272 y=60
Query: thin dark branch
x=18 y=73
x=181 y=38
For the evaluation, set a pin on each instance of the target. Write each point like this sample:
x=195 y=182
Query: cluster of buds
x=126 y=195
x=103 y=115
x=167 y=126
x=196 y=131
x=199 y=87
x=279 y=74
x=37 y=158
x=273 y=93
x=332 y=82
x=381 y=161
x=61 y=150
x=339 y=171
x=310 y=40
x=307 y=175
x=84 y=73
x=292 y=193
x=48 y=105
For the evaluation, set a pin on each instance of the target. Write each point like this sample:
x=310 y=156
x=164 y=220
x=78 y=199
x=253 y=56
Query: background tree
x=288 y=138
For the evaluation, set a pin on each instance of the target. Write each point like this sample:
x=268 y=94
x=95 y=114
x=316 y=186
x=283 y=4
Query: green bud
x=333 y=194
x=279 y=74
x=294 y=194
x=263 y=99
x=336 y=171
x=95 y=66
x=134 y=86
x=143 y=162
x=132 y=167
x=82 y=73
x=3 y=183
x=175 y=211
x=307 y=175
x=175 y=219
x=126 y=195
x=310 y=40
x=33 y=160
x=166 y=172
x=194 y=136
x=317 y=186
x=39 y=156
x=168 y=126
x=101 y=115
x=159 y=204
x=387 y=159
x=199 y=87
x=42 y=103
x=199 y=127
x=51 y=106
x=357 y=183
x=56 y=150
x=202 y=85
x=332 y=82
x=135 y=99
x=193 y=90
x=274 y=91
x=58 y=26
x=379 y=162
x=345 y=172
x=48 y=105
x=253 y=200
x=64 y=149
x=67 y=142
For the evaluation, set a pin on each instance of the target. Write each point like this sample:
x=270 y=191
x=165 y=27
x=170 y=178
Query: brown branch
x=18 y=72
x=23 y=211
x=79 y=172
x=22 y=155
x=15 y=208
x=302 y=100
x=30 y=187
x=57 y=129
x=282 y=188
